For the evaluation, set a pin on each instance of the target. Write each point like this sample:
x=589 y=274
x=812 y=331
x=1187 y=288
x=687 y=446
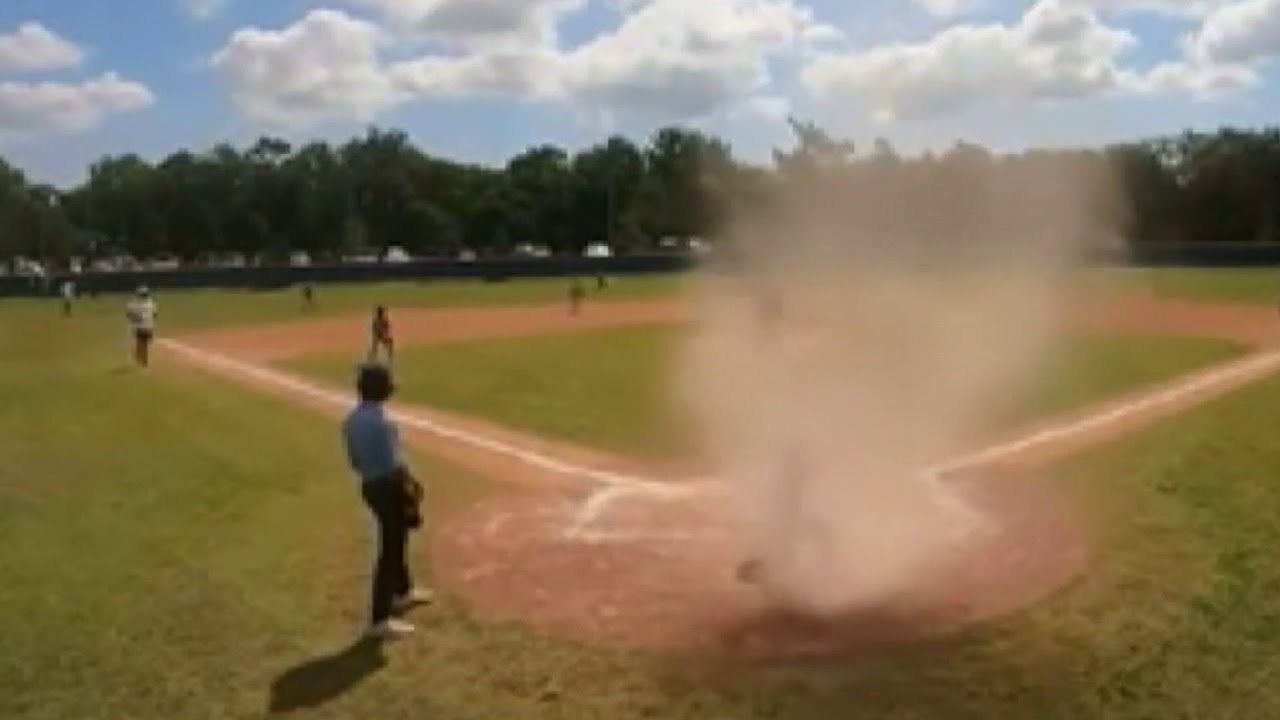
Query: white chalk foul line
x=969 y=520
x=1244 y=370
x=419 y=422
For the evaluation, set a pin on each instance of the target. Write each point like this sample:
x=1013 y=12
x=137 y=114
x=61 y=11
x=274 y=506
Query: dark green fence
x=266 y=278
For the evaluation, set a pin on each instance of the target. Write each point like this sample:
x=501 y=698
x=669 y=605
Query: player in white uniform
x=142 y=313
x=68 y=296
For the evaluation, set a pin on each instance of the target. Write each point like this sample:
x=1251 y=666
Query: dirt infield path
x=608 y=549
x=1253 y=326
x=279 y=341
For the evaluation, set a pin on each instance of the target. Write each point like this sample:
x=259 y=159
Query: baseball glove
x=413 y=494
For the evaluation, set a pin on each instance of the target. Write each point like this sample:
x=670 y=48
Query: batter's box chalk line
x=594 y=511
x=595 y=515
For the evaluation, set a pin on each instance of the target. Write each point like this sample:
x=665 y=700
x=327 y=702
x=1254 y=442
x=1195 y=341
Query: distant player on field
x=68 y=295
x=141 y=313
x=576 y=293
x=380 y=331
x=308 y=296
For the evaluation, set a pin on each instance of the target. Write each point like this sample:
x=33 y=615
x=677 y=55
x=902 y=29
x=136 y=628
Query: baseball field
x=187 y=542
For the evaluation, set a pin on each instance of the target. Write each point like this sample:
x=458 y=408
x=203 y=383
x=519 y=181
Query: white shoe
x=391 y=629
x=414 y=598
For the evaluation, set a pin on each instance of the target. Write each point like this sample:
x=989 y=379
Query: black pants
x=142 y=346
x=391 y=575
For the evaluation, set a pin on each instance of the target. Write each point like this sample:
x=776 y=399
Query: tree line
x=272 y=199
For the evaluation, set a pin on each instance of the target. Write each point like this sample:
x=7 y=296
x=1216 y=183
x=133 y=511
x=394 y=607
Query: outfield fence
x=273 y=277
x=1205 y=255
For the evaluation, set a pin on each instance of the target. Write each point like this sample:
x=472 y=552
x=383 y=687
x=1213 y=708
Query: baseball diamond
x=568 y=516
x=597 y=547
x=604 y=385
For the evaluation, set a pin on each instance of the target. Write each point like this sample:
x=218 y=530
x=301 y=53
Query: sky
x=480 y=80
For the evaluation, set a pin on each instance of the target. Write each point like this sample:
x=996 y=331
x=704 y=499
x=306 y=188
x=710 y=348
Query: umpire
x=373 y=449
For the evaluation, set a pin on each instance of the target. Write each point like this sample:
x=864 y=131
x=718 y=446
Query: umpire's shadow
x=321 y=680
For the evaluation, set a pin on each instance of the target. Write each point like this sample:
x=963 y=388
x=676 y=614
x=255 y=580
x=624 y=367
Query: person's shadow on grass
x=324 y=679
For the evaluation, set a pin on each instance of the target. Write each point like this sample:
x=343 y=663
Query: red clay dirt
x=657 y=572
x=279 y=341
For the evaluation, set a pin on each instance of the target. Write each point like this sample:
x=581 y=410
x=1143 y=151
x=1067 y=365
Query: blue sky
x=480 y=81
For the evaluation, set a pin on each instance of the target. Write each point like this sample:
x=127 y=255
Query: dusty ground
x=605 y=549
x=659 y=572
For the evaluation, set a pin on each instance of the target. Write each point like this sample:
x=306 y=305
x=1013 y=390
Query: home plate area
x=656 y=569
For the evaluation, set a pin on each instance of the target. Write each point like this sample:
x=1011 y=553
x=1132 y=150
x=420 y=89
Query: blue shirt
x=373 y=445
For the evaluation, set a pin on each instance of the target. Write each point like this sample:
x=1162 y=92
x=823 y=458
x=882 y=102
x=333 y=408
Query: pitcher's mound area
x=655 y=571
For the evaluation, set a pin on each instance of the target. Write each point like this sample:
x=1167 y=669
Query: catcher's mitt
x=413 y=493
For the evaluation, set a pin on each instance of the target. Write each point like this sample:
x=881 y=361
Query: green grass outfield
x=195 y=309
x=1237 y=285
x=174 y=546
x=609 y=389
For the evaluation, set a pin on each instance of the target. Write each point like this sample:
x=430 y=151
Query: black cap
x=373 y=382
